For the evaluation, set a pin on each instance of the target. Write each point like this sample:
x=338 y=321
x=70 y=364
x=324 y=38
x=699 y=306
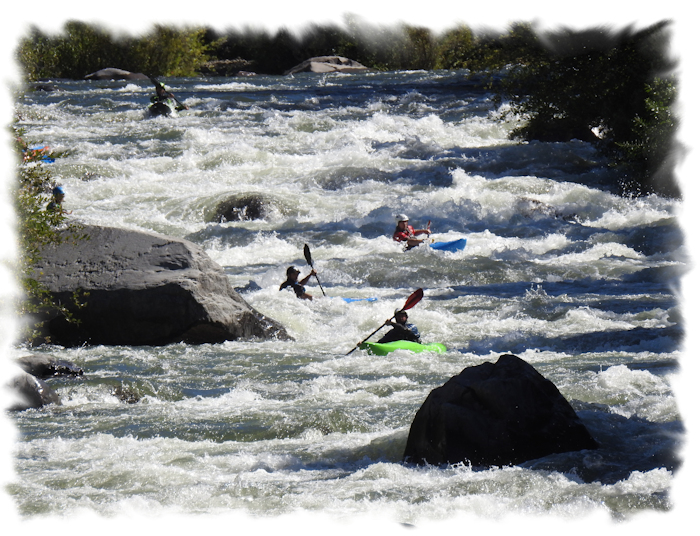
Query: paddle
x=410 y=302
x=307 y=255
x=158 y=84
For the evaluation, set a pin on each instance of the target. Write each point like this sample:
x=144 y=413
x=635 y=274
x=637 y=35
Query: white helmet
x=401 y=217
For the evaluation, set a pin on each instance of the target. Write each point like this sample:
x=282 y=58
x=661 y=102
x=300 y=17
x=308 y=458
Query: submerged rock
x=144 y=289
x=328 y=64
x=241 y=208
x=499 y=413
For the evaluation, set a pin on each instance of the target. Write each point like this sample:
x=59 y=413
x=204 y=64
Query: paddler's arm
x=306 y=279
x=413 y=242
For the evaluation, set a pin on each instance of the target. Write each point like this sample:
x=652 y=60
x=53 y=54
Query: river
x=579 y=282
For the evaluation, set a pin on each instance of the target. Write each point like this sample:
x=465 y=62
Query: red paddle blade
x=413 y=299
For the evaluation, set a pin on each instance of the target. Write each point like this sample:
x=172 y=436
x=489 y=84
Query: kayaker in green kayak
x=402 y=329
x=298 y=286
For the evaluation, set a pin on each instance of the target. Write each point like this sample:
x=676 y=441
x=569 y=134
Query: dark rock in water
x=47 y=367
x=44 y=87
x=144 y=289
x=115 y=74
x=250 y=287
x=328 y=64
x=499 y=413
x=126 y=394
x=32 y=392
x=241 y=208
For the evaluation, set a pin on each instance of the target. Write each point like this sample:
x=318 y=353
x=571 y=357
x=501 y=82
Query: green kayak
x=383 y=349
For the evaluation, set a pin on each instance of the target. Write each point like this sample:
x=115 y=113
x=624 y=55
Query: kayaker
x=56 y=203
x=405 y=233
x=163 y=95
x=297 y=286
x=402 y=329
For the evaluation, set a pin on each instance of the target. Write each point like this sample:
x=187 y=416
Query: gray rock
x=499 y=413
x=111 y=73
x=32 y=392
x=144 y=289
x=42 y=366
x=328 y=64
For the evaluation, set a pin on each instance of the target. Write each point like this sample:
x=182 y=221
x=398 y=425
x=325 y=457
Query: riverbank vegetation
x=37 y=227
x=615 y=89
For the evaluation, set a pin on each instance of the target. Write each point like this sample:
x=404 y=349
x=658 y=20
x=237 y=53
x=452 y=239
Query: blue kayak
x=453 y=245
x=42 y=148
x=350 y=300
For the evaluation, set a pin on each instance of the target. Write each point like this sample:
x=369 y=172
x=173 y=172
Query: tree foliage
x=620 y=84
x=82 y=49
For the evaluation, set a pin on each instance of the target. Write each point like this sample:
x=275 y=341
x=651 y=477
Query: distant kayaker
x=402 y=329
x=162 y=95
x=297 y=286
x=56 y=203
x=405 y=233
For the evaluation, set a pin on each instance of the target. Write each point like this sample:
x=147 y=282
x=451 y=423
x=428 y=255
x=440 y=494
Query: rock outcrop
x=501 y=413
x=111 y=73
x=328 y=64
x=144 y=289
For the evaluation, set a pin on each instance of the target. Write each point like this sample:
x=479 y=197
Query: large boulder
x=328 y=64
x=110 y=73
x=144 y=289
x=501 y=413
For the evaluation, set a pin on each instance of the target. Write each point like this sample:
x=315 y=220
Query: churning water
x=558 y=270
